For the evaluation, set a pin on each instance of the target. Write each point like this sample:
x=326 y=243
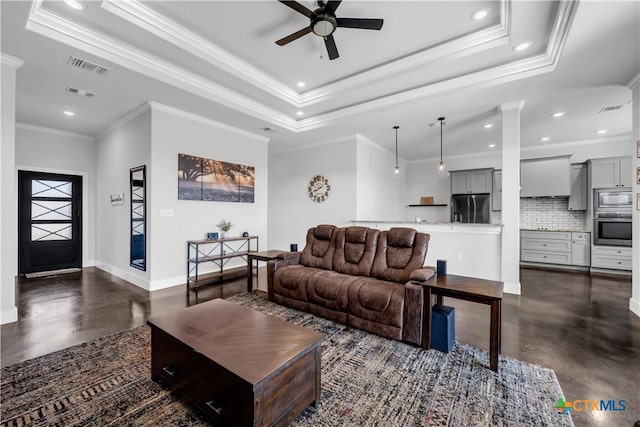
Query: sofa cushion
x=328 y=294
x=320 y=247
x=290 y=283
x=355 y=250
x=376 y=306
x=400 y=251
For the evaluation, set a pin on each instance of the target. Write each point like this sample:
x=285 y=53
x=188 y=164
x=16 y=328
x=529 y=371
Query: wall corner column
x=8 y=190
x=634 y=301
x=510 y=253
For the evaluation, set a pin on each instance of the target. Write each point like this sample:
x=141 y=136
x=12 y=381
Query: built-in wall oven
x=612 y=217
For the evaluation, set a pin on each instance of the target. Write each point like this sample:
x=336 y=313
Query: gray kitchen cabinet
x=496 y=193
x=545 y=177
x=581 y=249
x=555 y=247
x=611 y=172
x=578 y=197
x=472 y=181
x=611 y=257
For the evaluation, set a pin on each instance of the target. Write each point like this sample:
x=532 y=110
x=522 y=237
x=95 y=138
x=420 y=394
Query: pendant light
x=441 y=165
x=396 y=170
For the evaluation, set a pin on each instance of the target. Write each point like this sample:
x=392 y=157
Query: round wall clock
x=318 y=189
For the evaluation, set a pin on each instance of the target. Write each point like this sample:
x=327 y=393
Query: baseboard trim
x=634 y=306
x=9 y=316
x=512 y=288
x=124 y=275
x=156 y=285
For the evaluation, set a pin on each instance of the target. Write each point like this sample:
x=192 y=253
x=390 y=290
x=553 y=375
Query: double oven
x=612 y=209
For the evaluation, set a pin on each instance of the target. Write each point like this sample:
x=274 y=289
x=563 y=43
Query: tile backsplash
x=547 y=212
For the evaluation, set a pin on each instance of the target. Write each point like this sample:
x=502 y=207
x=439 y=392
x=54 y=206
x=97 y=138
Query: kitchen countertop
x=438 y=226
x=566 y=230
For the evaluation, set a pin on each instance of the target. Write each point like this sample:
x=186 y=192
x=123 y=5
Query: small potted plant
x=224 y=227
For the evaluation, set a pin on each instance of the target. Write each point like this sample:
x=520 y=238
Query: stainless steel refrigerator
x=471 y=208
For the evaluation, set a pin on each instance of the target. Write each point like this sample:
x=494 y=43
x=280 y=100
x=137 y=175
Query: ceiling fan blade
x=364 y=24
x=294 y=36
x=332 y=50
x=297 y=7
x=332 y=6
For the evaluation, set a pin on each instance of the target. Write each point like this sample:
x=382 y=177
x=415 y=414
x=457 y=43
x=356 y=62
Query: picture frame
x=638 y=202
x=637 y=175
x=638 y=148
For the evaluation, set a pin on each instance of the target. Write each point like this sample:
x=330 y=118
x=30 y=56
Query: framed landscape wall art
x=214 y=180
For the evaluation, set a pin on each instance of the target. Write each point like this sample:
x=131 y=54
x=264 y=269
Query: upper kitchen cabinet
x=578 y=197
x=611 y=172
x=496 y=194
x=473 y=181
x=545 y=177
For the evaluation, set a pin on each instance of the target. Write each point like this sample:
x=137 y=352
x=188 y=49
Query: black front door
x=50 y=221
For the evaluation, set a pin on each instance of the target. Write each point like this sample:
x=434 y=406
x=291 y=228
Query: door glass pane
x=40 y=232
x=46 y=210
x=44 y=188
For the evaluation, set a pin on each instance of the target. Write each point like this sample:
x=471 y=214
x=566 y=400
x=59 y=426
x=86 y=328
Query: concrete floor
x=576 y=324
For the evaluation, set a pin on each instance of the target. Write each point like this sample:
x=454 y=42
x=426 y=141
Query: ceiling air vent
x=610 y=108
x=80 y=92
x=86 y=65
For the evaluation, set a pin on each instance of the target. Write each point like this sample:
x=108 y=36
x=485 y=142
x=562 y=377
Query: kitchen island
x=470 y=249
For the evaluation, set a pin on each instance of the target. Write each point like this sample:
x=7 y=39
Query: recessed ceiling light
x=558 y=114
x=301 y=84
x=487 y=125
x=74 y=4
x=300 y=113
x=69 y=113
x=491 y=145
x=522 y=46
x=480 y=14
x=601 y=131
x=545 y=138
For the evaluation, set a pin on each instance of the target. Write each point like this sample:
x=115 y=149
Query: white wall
x=291 y=212
x=119 y=149
x=172 y=133
x=48 y=150
x=8 y=187
x=379 y=192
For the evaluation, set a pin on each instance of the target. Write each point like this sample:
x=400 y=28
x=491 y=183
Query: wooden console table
x=469 y=289
x=218 y=252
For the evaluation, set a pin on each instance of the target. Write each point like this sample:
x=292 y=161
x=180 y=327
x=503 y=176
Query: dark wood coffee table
x=240 y=367
x=470 y=289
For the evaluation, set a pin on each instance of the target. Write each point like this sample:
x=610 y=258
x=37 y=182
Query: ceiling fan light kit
x=323 y=22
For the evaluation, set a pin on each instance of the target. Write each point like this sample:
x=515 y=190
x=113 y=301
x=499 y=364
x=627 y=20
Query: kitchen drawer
x=546 y=245
x=546 y=235
x=546 y=257
x=611 y=251
x=600 y=261
x=581 y=237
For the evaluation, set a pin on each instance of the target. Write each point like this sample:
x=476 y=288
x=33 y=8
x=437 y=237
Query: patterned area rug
x=366 y=380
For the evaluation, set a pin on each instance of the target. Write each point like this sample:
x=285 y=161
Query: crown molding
x=48 y=24
x=11 y=61
x=51 y=131
x=156 y=106
x=124 y=119
x=145 y=18
x=635 y=81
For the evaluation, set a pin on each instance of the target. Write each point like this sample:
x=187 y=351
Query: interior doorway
x=49 y=221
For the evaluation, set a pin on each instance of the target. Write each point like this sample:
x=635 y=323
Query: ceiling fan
x=323 y=22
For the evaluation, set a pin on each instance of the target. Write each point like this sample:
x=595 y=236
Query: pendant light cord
x=396 y=127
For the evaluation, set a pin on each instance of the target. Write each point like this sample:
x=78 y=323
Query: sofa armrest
x=422 y=274
x=292 y=258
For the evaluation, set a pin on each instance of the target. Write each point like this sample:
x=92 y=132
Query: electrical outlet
x=459 y=256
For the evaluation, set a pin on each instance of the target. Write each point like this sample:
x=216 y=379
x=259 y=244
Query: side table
x=260 y=256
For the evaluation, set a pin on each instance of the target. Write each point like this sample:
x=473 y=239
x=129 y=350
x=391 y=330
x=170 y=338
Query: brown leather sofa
x=358 y=276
